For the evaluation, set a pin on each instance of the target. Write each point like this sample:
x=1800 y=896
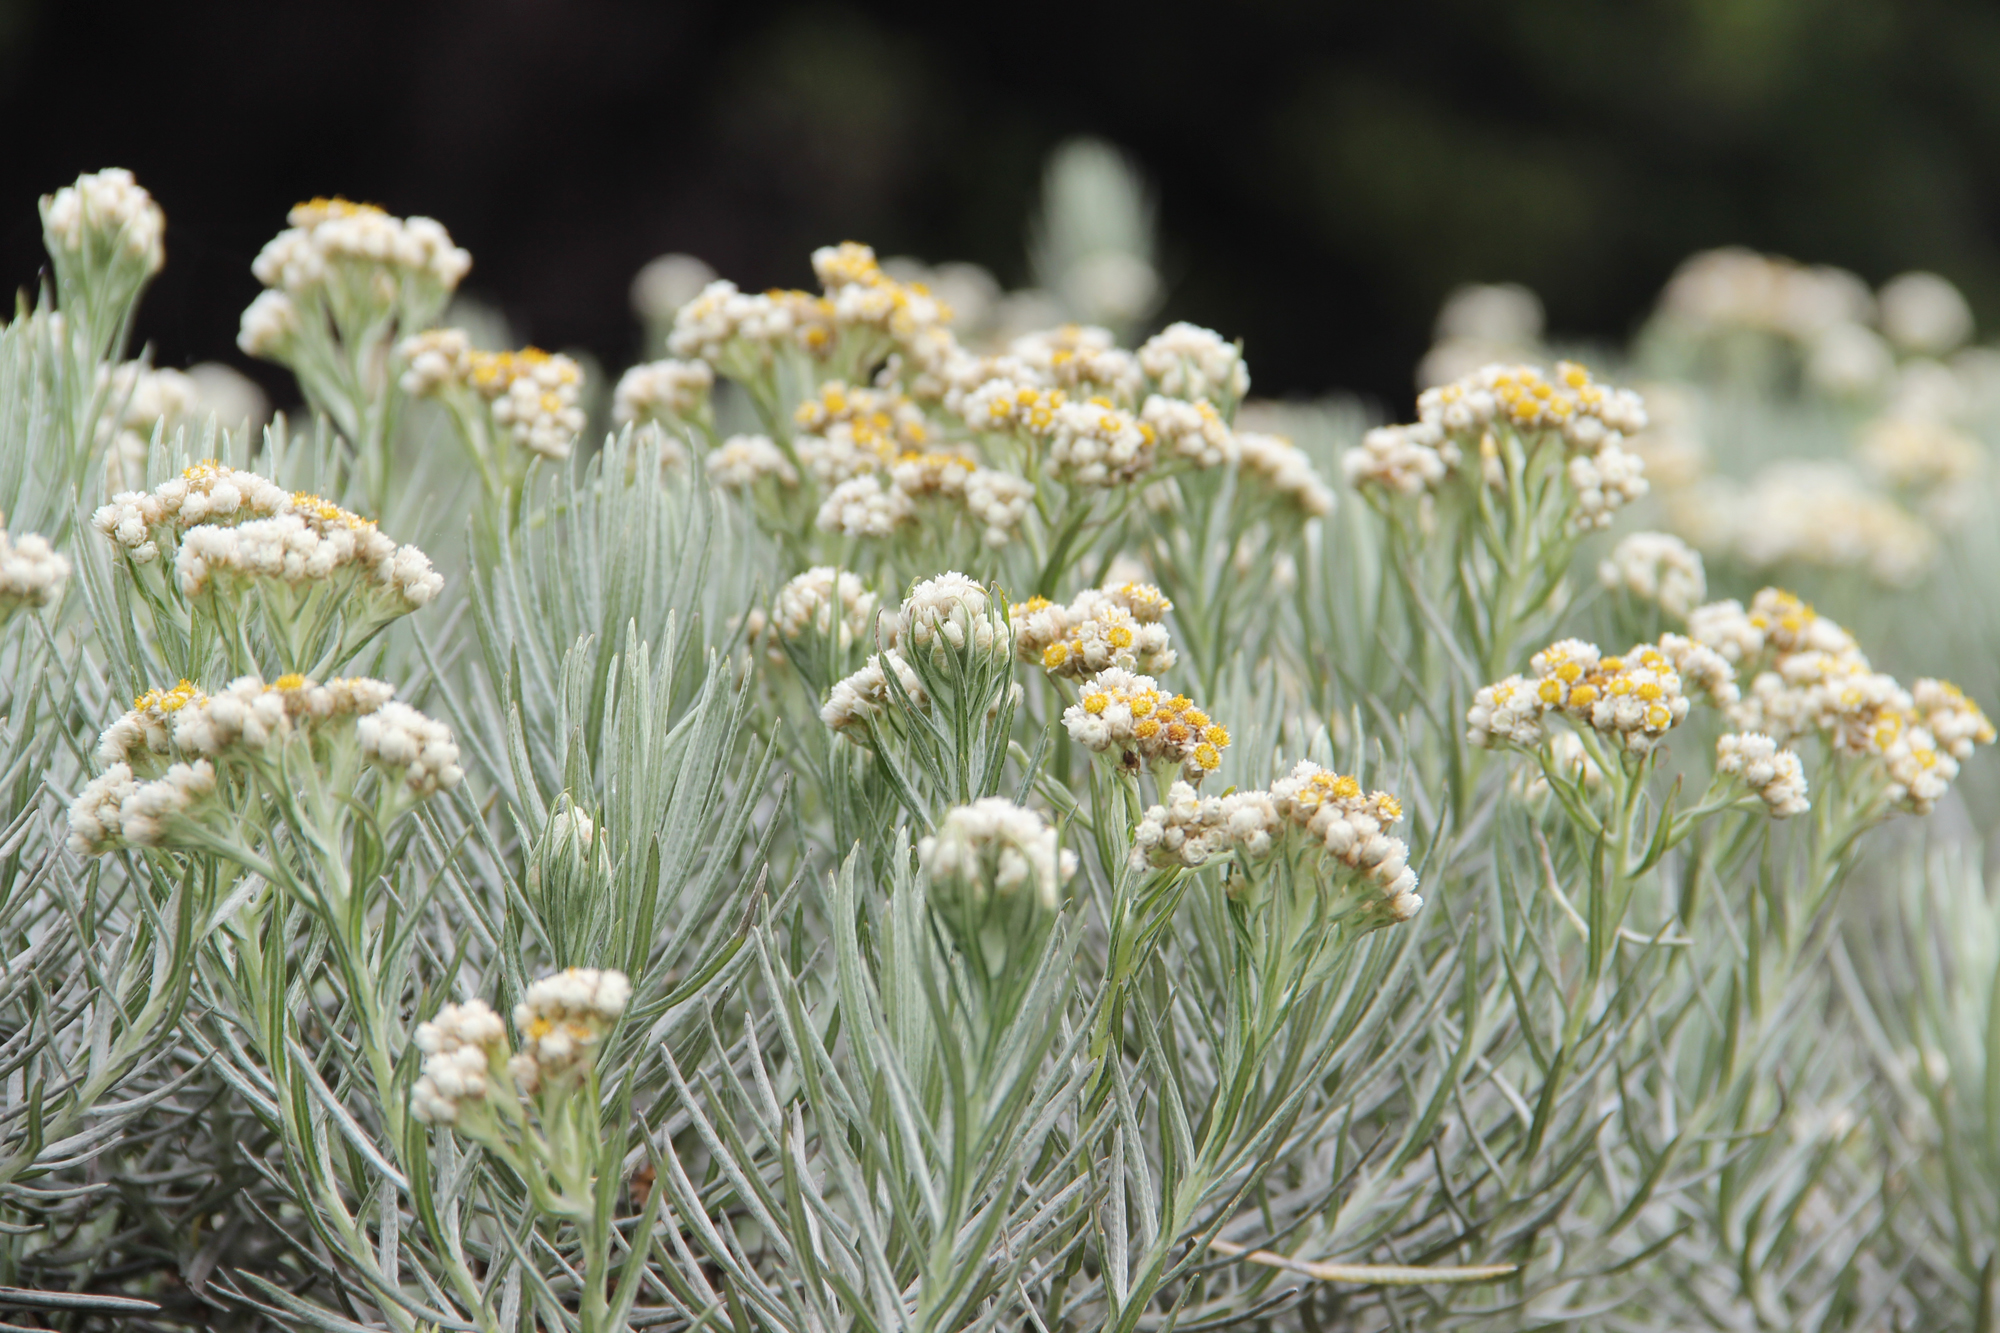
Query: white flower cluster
x=1100 y=629
x=242 y=525
x=1587 y=415
x=1633 y=700
x=1814 y=679
x=945 y=615
x=562 y=1020
x=399 y=738
x=245 y=723
x=732 y=329
x=998 y=501
x=269 y=326
x=117 y=807
x=863 y=311
x=1191 y=829
x=1093 y=443
x=862 y=295
x=435 y=359
x=853 y=437
x=209 y=492
x=876 y=421
x=1954 y=721
x=1402 y=460
x=1284 y=470
x=111 y=209
x=662 y=391
x=1656 y=567
x=184 y=718
x=335 y=241
x=827 y=602
x=462 y=1048
x=1005 y=396
x=1774 y=774
x=994 y=847
x=1594 y=421
x=1329 y=811
x=855 y=701
x=1353 y=828
x=1189 y=362
x=932 y=473
x=1738 y=288
x=534 y=396
x=742 y=461
x=863 y=507
x=355 y=260
x=1193 y=431
x=305 y=546
x=32 y=573
x=1122 y=712
x=1097 y=441
x=1087 y=413
x=1081 y=359
x=1811 y=512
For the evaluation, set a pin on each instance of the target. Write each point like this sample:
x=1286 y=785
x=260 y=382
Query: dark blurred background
x=1324 y=172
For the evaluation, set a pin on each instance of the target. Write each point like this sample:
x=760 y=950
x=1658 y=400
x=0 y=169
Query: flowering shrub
x=938 y=827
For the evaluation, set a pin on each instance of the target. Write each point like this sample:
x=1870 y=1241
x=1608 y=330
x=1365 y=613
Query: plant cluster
x=934 y=828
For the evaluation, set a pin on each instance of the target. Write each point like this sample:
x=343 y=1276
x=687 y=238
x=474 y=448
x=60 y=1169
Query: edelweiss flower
x=1775 y=775
x=993 y=847
x=1656 y=567
x=825 y=600
x=662 y=391
x=107 y=208
x=1120 y=711
x=32 y=574
x=1187 y=361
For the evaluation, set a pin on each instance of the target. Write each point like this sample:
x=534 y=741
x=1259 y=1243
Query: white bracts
x=111 y=208
x=1187 y=361
x=116 y=807
x=950 y=612
x=398 y=738
x=863 y=507
x=1656 y=567
x=993 y=847
x=1774 y=774
x=32 y=573
x=459 y=1046
x=662 y=391
x=826 y=601
x=741 y=461
x=562 y=1020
